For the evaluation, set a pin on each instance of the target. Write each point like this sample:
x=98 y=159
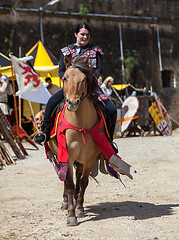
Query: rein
x=83 y=71
x=82 y=96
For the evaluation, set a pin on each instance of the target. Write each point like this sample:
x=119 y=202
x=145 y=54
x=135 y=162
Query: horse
x=78 y=84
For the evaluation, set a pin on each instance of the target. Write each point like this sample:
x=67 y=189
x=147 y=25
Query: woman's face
x=82 y=37
x=109 y=84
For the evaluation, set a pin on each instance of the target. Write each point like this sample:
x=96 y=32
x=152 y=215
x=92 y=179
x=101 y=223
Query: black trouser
x=58 y=97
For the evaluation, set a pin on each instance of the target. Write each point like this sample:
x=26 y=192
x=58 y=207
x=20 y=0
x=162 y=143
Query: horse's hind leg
x=71 y=219
x=83 y=184
x=65 y=198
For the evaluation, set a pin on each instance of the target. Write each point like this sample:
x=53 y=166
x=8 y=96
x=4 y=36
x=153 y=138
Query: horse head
x=78 y=82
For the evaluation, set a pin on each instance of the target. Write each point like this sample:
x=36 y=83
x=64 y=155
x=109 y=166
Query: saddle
x=100 y=108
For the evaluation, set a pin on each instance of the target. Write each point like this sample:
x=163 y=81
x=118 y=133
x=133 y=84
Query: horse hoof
x=79 y=213
x=72 y=221
x=64 y=206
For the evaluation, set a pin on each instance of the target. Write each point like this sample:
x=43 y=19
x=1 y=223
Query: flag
x=30 y=86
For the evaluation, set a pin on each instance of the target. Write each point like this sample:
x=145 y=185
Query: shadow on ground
x=137 y=210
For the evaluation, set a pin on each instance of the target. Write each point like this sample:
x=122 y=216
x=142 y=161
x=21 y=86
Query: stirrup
x=37 y=140
x=115 y=147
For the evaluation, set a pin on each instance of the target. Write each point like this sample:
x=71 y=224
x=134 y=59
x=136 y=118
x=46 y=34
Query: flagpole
x=15 y=102
x=159 y=50
x=20 y=115
x=33 y=115
x=20 y=101
x=122 y=57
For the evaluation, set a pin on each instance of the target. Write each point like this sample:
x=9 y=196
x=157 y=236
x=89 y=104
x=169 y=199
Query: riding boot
x=44 y=135
x=111 y=108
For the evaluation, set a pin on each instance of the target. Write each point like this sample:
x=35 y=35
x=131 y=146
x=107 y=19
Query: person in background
x=52 y=88
x=5 y=90
x=100 y=81
x=107 y=86
x=39 y=117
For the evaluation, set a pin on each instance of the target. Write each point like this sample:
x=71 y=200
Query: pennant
x=30 y=86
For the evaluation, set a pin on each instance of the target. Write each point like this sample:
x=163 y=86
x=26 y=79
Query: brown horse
x=81 y=113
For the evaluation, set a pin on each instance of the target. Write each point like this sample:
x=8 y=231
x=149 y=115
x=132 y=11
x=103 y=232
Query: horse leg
x=79 y=169
x=65 y=198
x=83 y=184
x=71 y=218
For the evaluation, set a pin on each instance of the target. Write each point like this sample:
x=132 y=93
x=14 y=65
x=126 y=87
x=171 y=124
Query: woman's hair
x=108 y=79
x=82 y=25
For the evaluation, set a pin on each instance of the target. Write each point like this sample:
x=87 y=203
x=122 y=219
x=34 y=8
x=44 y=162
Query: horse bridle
x=82 y=95
x=84 y=79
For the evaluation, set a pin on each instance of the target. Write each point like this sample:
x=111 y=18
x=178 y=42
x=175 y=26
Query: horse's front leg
x=83 y=185
x=71 y=218
x=79 y=169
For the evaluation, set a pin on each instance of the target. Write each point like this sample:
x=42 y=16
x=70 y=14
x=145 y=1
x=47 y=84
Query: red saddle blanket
x=98 y=132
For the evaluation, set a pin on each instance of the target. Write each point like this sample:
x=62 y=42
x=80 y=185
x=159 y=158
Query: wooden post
x=2 y=161
x=7 y=134
x=15 y=103
x=7 y=152
x=4 y=157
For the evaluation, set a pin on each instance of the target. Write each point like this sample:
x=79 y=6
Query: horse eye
x=84 y=79
x=64 y=78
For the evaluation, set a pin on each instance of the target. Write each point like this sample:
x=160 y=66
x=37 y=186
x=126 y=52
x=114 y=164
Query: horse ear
x=67 y=61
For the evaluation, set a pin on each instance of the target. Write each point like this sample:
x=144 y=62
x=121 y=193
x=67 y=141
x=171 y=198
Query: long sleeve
x=62 y=68
x=99 y=68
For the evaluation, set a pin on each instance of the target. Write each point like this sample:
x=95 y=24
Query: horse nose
x=72 y=106
x=68 y=101
x=71 y=103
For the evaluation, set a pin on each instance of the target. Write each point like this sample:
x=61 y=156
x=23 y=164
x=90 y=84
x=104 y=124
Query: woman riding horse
x=82 y=47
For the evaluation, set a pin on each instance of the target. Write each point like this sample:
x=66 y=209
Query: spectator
x=100 y=81
x=5 y=90
x=106 y=86
x=52 y=88
x=39 y=117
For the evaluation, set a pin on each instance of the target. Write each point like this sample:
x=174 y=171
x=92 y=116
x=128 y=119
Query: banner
x=160 y=117
x=30 y=86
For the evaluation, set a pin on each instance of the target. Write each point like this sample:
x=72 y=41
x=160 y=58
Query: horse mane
x=82 y=63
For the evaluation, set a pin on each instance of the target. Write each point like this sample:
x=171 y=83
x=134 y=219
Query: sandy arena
x=147 y=209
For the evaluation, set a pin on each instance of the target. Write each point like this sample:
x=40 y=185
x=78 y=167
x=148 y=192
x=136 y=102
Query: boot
x=44 y=135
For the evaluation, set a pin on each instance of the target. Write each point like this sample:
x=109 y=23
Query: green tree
x=83 y=10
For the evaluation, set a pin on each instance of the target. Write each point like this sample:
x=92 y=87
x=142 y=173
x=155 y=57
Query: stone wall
x=139 y=35
x=166 y=9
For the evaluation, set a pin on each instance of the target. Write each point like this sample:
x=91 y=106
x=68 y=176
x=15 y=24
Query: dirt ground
x=147 y=209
